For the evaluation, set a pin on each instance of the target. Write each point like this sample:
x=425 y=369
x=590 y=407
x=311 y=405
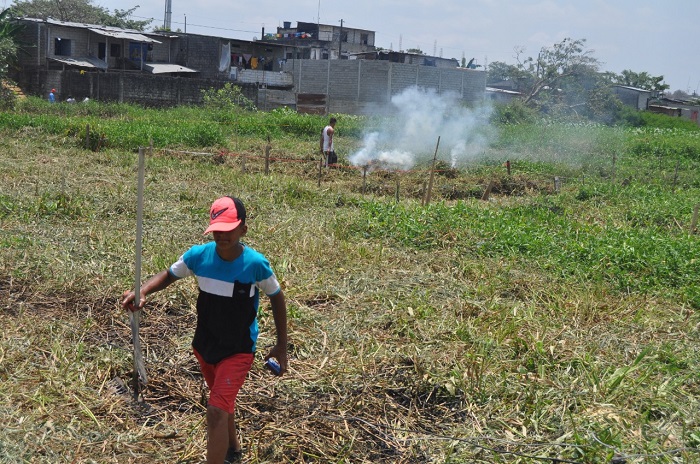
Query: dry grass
x=398 y=355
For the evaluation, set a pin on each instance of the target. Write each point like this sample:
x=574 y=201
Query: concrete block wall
x=344 y=79
x=310 y=76
x=270 y=78
x=366 y=86
x=201 y=53
x=428 y=77
x=374 y=81
x=403 y=76
x=134 y=87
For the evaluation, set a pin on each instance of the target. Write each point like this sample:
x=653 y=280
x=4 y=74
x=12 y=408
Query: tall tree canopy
x=564 y=78
x=565 y=61
x=641 y=80
x=79 y=11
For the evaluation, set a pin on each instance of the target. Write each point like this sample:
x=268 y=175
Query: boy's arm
x=155 y=284
x=279 y=313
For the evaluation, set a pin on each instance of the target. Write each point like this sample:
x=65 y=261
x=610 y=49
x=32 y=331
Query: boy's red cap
x=225 y=214
x=53 y=90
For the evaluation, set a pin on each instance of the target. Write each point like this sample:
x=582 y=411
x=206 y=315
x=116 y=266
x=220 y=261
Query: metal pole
x=134 y=316
x=340 y=39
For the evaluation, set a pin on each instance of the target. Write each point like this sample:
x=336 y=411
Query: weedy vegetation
x=559 y=321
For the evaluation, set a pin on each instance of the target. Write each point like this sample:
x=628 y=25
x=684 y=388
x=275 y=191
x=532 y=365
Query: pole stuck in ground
x=364 y=178
x=134 y=316
x=694 y=221
x=432 y=175
x=398 y=186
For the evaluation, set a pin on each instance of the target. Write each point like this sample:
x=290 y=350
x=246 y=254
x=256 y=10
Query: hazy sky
x=661 y=37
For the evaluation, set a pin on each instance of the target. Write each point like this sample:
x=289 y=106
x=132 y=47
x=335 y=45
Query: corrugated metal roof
x=110 y=31
x=164 y=68
x=120 y=34
x=82 y=62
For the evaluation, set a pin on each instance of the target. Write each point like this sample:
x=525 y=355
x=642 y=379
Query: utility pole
x=340 y=39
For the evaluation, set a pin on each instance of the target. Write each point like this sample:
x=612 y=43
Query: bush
x=514 y=112
x=7 y=97
x=229 y=97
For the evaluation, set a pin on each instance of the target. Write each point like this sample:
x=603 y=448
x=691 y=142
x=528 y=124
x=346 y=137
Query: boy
x=229 y=275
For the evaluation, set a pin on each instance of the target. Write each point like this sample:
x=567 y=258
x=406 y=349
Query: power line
x=200 y=25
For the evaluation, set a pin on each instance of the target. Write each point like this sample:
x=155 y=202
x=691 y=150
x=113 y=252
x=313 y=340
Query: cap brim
x=222 y=227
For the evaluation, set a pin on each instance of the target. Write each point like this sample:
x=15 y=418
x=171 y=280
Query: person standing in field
x=327 y=147
x=52 y=96
x=230 y=276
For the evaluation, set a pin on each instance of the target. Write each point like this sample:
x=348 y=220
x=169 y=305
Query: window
x=101 y=50
x=115 y=50
x=61 y=47
x=364 y=39
x=343 y=36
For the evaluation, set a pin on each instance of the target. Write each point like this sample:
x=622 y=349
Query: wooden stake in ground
x=694 y=221
x=268 y=147
x=675 y=176
x=134 y=316
x=364 y=179
x=487 y=192
x=320 y=171
x=398 y=186
x=432 y=175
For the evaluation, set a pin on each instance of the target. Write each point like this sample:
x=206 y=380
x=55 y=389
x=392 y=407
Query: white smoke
x=423 y=115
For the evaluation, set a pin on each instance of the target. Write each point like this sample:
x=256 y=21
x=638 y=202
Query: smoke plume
x=423 y=115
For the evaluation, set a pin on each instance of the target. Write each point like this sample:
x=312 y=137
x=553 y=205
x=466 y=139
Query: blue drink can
x=274 y=366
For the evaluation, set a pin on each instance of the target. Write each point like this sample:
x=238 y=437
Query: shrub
x=229 y=97
x=514 y=112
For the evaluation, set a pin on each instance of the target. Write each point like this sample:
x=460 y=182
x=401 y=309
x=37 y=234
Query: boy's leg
x=217 y=435
x=224 y=380
x=233 y=441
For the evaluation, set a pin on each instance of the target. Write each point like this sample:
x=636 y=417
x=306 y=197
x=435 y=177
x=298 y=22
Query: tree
x=8 y=52
x=563 y=80
x=641 y=80
x=417 y=51
x=499 y=71
x=566 y=60
x=79 y=11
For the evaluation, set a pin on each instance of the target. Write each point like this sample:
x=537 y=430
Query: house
x=154 y=68
x=497 y=95
x=163 y=68
x=688 y=109
x=633 y=96
x=313 y=41
x=59 y=45
x=406 y=58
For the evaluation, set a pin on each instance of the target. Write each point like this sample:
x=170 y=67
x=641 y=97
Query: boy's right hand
x=128 y=301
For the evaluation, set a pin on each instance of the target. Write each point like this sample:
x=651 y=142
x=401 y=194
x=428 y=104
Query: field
x=555 y=321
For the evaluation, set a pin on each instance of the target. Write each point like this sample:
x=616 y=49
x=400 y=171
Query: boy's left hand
x=280 y=354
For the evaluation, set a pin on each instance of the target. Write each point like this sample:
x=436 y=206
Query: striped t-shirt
x=227 y=305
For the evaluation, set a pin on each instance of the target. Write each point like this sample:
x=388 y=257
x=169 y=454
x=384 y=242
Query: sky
x=660 y=37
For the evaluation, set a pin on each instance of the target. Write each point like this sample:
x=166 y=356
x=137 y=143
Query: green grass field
x=547 y=324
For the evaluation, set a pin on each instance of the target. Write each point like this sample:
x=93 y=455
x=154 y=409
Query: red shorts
x=225 y=378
